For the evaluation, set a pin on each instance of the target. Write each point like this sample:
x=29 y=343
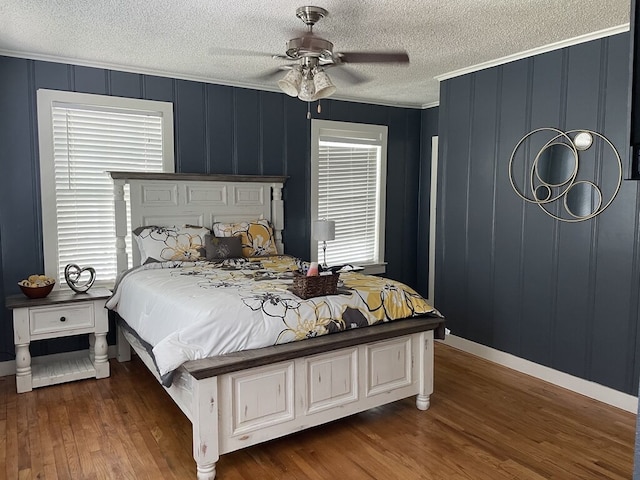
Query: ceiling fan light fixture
x=307 y=91
x=290 y=83
x=323 y=85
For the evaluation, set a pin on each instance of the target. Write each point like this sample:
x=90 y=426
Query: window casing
x=82 y=137
x=348 y=185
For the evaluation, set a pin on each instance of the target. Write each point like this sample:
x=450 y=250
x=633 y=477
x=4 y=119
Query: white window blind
x=348 y=182
x=348 y=194
x=82 y=138
x=88 y=143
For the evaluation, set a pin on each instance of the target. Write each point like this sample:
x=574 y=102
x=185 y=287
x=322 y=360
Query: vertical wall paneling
x=396 y=204
x=7 y=350
x=123 y=84
x=618 y=249
x=575 y=264
x=90 y=80
x=513 y=106
x=21 y=249
x=247 y=113
x=272 y=156
x=189 y=113
x=539 y=275
x=160 y=89
x=564 y=295
x=411 y=192
x=429 y=125
x=54 y=76
x=220 y=121
x=480 y=203
x=454 y=183
x=298 y=168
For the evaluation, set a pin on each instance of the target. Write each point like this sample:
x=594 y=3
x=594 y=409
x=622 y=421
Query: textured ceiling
x=223 y=41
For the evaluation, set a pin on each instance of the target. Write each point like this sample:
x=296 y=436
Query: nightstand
x=62 y=313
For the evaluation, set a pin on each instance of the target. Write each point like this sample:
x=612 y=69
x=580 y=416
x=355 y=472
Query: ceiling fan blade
x=347 y=74
x=374 y=57
x=270 y=74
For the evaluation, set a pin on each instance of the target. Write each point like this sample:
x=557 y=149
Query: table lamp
x=323 y=231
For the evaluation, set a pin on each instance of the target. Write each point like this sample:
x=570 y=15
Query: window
x=82 y=137
x=348 y=179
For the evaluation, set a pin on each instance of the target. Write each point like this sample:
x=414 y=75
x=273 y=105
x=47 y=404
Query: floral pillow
x=256 y=236
x=162 y=244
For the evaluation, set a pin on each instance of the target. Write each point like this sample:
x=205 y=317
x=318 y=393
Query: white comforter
x=189 y=311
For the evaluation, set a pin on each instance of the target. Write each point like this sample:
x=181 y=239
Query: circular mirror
x=542 y=193
x=582 y=199
x=556 y=164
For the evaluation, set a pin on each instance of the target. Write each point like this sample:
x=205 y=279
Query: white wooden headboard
x=167 y=199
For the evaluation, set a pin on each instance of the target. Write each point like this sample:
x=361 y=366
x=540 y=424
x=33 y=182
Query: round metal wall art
x=551 y=172
x=73 y=276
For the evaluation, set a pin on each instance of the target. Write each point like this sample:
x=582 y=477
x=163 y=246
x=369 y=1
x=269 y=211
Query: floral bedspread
x=192 y=310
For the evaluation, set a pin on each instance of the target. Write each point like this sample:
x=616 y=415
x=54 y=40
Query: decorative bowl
x=37 y=286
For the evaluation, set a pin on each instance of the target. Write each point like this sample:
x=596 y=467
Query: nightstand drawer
x=61 y=319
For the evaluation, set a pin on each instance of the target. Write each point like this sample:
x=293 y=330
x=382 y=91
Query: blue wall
x=218 y=129
x=509 y=276
x=562 y=295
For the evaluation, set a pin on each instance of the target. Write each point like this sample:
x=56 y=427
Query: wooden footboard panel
x=253 y=399
x=268 y=402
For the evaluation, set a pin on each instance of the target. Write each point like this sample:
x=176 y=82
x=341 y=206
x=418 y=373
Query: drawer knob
x=63 y=319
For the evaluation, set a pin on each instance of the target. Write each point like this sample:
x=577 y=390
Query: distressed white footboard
x=238 y=400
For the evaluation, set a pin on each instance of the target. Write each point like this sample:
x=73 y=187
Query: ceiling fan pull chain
x=319 y=107
x=308 y=110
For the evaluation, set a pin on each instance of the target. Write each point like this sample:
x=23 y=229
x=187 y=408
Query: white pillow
x=162 y=244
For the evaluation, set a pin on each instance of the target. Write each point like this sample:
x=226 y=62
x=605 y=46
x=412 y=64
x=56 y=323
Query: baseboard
x=587 y=388
x=9 y=368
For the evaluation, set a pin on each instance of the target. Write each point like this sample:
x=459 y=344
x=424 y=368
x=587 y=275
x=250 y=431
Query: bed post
x=120 y=207
x=204 y=420
x=425 y=359
x=277 y=215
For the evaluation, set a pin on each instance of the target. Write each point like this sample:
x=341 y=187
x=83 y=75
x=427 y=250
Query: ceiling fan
x=306 y=77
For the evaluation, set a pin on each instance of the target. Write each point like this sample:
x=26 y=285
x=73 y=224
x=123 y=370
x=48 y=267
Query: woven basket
x=316 y=286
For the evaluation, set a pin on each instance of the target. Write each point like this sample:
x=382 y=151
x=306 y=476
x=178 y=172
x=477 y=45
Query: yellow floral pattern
x=263 y=284
x=256 y=236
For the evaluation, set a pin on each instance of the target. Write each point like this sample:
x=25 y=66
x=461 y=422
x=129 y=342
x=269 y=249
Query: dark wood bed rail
x=221 y=364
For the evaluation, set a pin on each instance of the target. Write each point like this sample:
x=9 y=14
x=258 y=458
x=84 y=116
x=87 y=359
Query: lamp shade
x=290 y=83
x=324 y=230
x=323 y=84
x=307 y=89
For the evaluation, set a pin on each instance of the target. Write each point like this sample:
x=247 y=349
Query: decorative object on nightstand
x=73 y=276
x=37 y=286
x=63 y=313
x=324 y=231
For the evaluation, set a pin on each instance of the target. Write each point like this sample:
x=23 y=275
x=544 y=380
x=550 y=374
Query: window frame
x=46 y=100
x=377 y=135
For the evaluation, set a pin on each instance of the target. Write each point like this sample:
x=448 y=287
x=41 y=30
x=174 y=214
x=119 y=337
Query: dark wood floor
x=485 y=422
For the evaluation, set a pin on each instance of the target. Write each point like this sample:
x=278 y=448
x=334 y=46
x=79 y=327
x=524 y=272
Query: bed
x=244 y=397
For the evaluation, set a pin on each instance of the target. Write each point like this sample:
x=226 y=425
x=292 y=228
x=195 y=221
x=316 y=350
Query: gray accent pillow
x=220 y=248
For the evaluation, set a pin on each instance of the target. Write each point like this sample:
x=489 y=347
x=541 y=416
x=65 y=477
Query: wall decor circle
x=547 y=168
x=76 y=277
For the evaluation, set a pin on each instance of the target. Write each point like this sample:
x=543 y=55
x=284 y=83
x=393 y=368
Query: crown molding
x=607 y=32
x=180 y=76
